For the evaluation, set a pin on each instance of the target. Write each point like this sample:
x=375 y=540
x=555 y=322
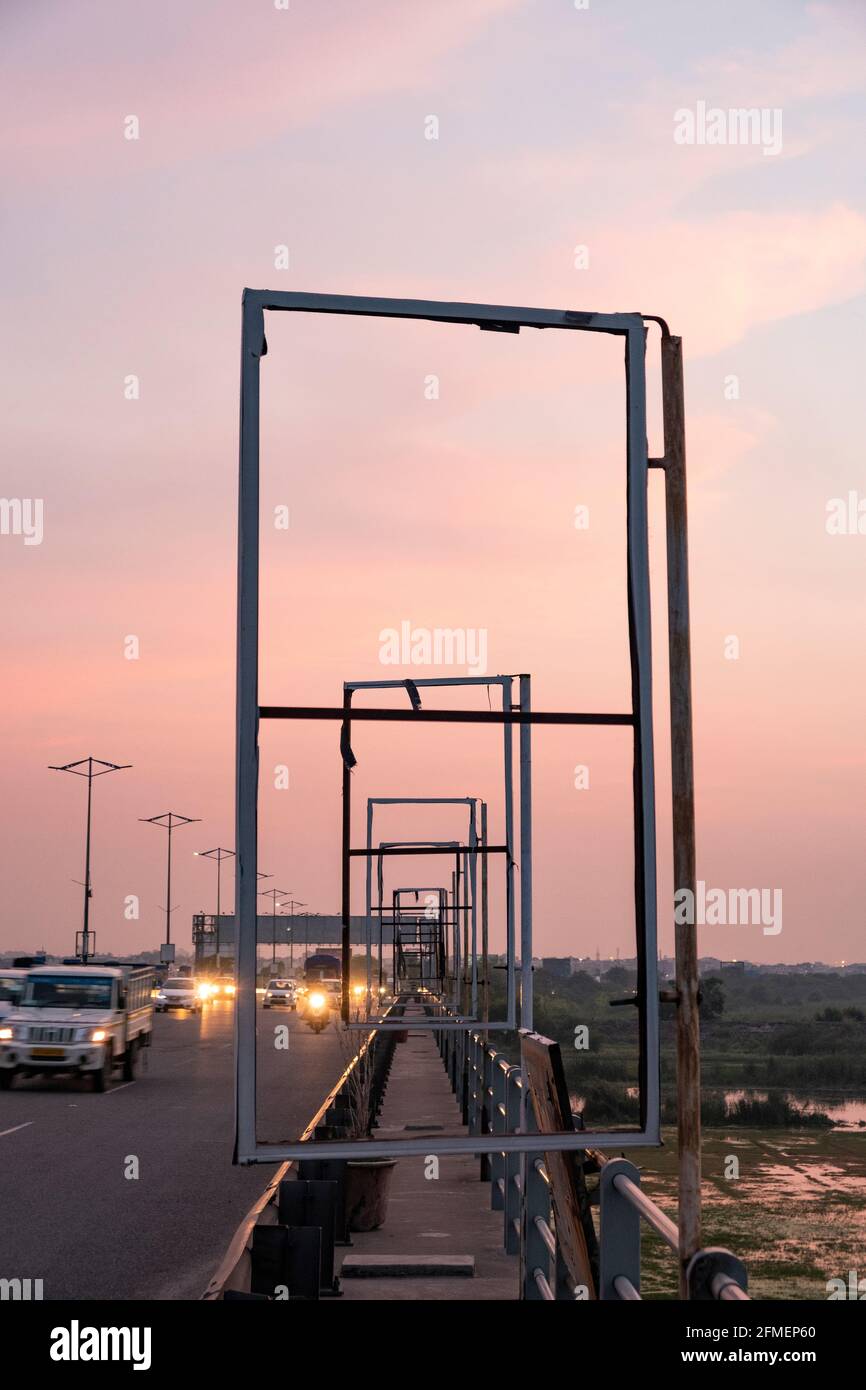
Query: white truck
x=11 y=989
x=79 y=1019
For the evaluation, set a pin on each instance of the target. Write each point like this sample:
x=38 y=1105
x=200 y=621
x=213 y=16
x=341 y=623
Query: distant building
x=557 y=965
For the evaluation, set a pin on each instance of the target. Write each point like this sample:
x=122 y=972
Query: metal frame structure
x=477 y=844
x=372 y=803
x=441 y=920
x=631 y=328
x=506 y=685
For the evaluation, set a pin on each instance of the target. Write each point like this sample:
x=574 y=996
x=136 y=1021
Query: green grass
x=809 y=1190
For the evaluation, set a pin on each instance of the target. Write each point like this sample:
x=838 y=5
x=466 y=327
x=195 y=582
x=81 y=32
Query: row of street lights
x=169 y=820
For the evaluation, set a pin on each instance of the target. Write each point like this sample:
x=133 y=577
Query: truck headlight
x=6 y=1034
x=98 y=1035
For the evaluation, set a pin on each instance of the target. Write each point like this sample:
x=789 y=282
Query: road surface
x=72 y=1218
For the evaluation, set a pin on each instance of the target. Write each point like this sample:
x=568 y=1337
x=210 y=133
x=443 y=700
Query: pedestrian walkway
x=434 y=1223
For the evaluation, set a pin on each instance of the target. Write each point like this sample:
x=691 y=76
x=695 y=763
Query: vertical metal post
x=467 y=963
x=473 y=1083
x=485 y=964
x=472 y=864
x=619 y=1229
x=486 y=1124
x=525 y=858
x=455 y=880
x=168 y=890
x=219 y=873
x=534 y=1254
x=85 y=938
x=683 y=795
x=640 y=654
x=368 y=911
x=346 y=890
x=247 y=756
x=511 y=981
x=497 y=1160
x=513 y=1203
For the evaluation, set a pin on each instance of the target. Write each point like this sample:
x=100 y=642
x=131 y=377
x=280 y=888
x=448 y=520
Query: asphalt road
x=68 y=1213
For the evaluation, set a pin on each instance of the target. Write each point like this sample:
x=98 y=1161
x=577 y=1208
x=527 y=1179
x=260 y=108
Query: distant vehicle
x=317 y=1009
x=11 y=989
x=280 y=992
x=322 y=966
x=222 y=987
x=180 y=992
x=80 y=1019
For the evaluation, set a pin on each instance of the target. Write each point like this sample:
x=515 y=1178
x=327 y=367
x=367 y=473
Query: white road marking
x=112 y=1091
x=14 y=1129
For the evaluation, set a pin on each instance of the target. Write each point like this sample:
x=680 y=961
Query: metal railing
x=492 y=1095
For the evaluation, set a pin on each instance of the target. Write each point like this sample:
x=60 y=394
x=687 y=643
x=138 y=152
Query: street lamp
x=273 y=894
x=169 y=821
x=219 y=854
x=79 y=770
x=293 y=903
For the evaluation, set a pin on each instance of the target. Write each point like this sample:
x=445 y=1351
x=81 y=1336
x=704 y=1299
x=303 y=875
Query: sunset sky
x=310 y=129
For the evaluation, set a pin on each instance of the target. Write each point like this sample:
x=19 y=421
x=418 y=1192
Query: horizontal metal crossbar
x=429 y=849
x=439 y=716
x=442 y=311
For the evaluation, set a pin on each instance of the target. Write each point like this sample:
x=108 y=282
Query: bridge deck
x=431 y=1217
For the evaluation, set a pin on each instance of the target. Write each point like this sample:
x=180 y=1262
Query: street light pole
x=219 y=854
x=77 y=769
x=273 y=893
x=294 y=904
x=169 y=821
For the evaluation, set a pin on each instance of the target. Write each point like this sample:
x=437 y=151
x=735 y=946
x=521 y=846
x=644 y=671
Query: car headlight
x=203 y=991
x=6 y=1034
x=98 y=1035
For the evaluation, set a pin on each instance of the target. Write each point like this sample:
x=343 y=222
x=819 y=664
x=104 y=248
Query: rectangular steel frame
x=506 y=685
x=631 y=328
x=470 y=853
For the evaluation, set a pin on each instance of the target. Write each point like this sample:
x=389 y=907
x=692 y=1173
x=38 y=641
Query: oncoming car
x=223 y=987
x=179 y=992
x=280 y=992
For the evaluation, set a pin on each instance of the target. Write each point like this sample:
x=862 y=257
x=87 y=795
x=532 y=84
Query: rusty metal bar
x=443 y=716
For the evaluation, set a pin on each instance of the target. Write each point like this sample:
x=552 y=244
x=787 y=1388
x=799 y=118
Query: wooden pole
x=683 y=795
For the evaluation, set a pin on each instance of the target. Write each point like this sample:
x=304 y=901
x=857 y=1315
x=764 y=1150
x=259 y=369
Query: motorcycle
x=317 y=1011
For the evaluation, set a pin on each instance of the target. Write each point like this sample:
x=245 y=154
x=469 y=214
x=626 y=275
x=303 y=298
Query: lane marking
x=112 y=1091
x=15 y=1129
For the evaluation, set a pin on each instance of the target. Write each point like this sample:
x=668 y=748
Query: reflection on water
x=809 y=1181
x=845 y=1111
